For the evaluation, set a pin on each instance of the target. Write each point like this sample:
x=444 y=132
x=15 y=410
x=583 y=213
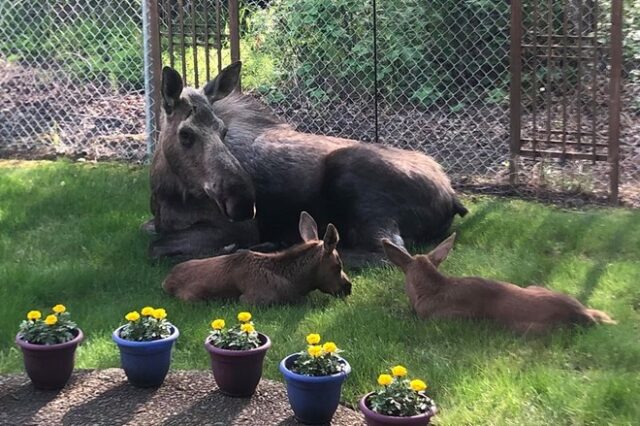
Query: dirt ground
x=104 y=397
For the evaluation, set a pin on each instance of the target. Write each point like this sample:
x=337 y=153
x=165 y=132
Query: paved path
x=103 y=397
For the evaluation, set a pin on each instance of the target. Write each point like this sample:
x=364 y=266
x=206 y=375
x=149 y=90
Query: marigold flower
x=34 y=315
x=313 y=339
x=132 y=316
x=51 y=319
x=58 y=309
x=385 y=379
x=247 y=328
x=330 y=347
x=147 y=311
x=399 y=371
x=417 y=385
x=315 y=350
x=244 y=316
x=159 y=314
x=217 y=324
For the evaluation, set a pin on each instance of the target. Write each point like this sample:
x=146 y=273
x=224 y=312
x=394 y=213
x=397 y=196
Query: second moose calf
x=524 y=310
x=266 y=278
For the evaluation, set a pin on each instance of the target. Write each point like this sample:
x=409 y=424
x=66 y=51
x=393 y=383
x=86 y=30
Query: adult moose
x=370 y=192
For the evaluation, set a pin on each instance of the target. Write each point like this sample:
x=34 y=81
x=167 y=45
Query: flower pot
x=238 y=373
x=146 y=364
x=376 y=419
x=49 y=366
x=314 y=399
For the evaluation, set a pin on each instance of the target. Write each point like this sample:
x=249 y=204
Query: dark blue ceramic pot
x=314 y=399
x=146 y=364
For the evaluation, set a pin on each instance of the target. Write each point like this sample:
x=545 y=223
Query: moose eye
x=187 y=137
x=191 y=111
x=223 y=133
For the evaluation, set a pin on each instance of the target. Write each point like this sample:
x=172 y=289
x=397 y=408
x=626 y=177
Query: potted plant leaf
x=314 y=380
x=48 y=347
x=237 y=355
x=145 y=344
x=398 y=401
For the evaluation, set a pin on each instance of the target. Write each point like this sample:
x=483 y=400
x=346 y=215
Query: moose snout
x=345 y=288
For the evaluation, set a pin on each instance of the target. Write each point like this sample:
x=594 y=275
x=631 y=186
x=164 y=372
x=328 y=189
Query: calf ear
x=397 y=255
x=331 y=238
x=440 y=253
x=224 y=83
x=307 y=227
x=171 y=88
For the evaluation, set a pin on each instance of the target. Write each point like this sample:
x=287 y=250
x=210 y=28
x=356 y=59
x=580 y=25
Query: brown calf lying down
x=524 y=310
x=266 y=278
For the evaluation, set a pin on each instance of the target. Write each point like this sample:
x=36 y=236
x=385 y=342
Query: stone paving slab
x=104 y=397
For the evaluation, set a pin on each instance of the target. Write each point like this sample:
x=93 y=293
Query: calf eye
x=223 y=132
x=187 y=137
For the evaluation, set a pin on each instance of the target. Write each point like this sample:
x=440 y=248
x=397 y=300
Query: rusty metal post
x=234 y=32
x=516 y=87
x=614 y=99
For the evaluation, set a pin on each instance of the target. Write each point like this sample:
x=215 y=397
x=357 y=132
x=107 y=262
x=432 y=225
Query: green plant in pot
x=48 y=347
x=398 y=401
x=237 y=355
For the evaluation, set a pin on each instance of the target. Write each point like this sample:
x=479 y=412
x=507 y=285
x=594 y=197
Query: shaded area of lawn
x=69 y=234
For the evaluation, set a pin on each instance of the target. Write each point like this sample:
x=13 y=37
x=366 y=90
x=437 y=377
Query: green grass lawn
x=69 y=234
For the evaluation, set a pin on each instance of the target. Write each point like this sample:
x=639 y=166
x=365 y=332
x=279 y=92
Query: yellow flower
x=313 y=339
x=417 y=385
x=399 y=371
x=159 y=314
x=34 y=315
x=147 y=311
x=330 y=347
x=132 y=316
x=51 y=319
x=217 y=324
x=58 y=309
x=315 y=350
x=385 y=379
x=244 y=317
x=247 y=328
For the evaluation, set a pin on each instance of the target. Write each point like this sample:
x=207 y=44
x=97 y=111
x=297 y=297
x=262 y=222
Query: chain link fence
x=72 y=78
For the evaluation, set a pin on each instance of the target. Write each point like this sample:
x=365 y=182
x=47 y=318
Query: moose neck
x=298 y=264
x=244 y=116
x=429 y=280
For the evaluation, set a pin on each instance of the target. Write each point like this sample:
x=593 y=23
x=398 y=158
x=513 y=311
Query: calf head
x=191 y=140
x=328 y=275
x=418 y=267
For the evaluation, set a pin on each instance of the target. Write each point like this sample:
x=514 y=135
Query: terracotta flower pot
x=49 y=366
x=376 y=419
x=314 y=399
x=146 y=364
x=238 y=373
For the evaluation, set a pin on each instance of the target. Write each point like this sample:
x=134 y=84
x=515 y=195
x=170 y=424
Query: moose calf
x=266 y=278
x=524 y=310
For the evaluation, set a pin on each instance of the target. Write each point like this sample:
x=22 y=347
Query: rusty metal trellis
x=565 y=82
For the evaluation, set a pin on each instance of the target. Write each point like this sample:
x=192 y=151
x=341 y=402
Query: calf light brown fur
x=524 y=310
x=266 y=278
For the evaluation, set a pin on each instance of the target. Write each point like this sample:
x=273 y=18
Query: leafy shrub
x=241 y=337
x=56 y=328
x=150 y=324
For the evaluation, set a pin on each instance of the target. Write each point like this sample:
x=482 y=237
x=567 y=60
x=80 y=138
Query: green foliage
x=241 y=337
x=398 y=399
x=151 y=325
x=56 y=328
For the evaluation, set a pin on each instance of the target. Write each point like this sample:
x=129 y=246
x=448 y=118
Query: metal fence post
x=516 y=87
x=614 y=99
x=152 y=63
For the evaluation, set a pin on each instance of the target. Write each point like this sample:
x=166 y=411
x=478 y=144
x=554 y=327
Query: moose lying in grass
x=266 y=278
x=524 y=310
x=223 y=157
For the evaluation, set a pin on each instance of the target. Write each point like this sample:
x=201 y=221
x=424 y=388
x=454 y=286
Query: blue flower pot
x=146 y=364
x=314 y=399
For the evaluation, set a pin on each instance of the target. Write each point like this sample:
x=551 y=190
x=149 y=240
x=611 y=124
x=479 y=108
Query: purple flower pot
x=313 y=399
x=49 y=366
x=376 y=419
x=238 y=373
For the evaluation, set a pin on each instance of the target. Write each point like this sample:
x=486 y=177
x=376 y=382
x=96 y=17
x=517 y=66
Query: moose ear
x=440 y=253
x=331 y=238
x=397 y=255
x=224 y=83
x=308 y=227
x=171 y=88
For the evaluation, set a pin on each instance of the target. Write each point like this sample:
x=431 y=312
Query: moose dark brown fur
x=370 y=192
x=532 y=309
x=266 y=278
